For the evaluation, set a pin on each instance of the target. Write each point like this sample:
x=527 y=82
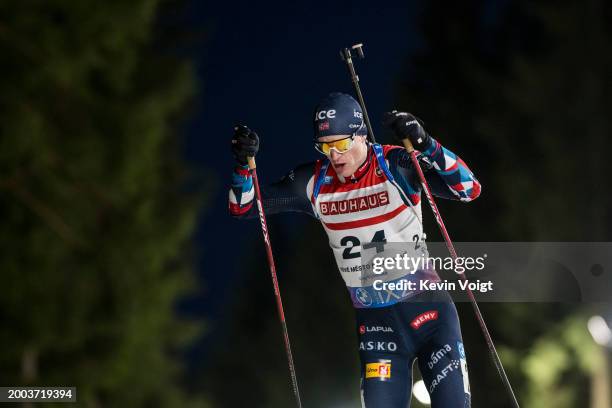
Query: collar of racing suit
x=362 y=169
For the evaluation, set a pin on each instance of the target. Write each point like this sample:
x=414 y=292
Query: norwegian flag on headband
x=338 y=114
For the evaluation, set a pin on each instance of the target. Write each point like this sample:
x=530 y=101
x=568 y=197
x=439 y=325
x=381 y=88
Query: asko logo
x=378 y=346
x=355 y=204
x=424 y=318
x=329 y=114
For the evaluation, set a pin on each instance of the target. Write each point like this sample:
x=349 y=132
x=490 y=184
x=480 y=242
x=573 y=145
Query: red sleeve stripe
x=475 y=190
x=242 y=171
x=452 y=168
x=235 y=209
x=458 y=187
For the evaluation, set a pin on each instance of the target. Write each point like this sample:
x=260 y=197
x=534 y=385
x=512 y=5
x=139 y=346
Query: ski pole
x=347 y=57
x=440 y=222
x=279 y=301
x=453 y=253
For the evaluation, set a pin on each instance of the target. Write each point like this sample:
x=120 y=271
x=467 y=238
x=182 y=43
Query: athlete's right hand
x=245 y=143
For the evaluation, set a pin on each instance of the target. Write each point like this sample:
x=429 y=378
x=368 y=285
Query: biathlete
x=365 y=195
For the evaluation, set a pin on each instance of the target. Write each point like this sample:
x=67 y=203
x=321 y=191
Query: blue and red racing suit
x=379 y=203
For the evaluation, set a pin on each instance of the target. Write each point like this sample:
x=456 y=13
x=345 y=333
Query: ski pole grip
x=408 y=145
x=251 y=162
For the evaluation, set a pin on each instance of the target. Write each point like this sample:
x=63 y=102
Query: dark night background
x=123 y=273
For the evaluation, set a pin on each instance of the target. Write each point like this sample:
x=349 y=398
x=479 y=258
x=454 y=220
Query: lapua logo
x=424 y=318
x=363 y=329
x=329 y=114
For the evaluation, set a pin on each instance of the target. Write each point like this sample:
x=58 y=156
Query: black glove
x=406 y=126
x=245 y=143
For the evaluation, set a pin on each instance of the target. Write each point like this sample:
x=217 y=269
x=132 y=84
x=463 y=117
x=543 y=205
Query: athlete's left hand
x=245 y=143
x=406 y=126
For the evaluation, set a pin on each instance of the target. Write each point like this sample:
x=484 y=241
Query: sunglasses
x=340 y=146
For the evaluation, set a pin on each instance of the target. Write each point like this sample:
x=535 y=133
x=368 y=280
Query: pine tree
x=96 y=219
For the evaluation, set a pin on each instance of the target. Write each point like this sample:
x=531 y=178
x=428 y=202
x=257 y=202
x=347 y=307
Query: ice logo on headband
x=325 y=114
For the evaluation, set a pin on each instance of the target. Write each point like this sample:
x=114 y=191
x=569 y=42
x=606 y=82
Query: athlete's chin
x=343 y=169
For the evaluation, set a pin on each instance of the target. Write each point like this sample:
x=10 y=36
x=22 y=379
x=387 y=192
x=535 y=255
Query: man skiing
x=366 y=195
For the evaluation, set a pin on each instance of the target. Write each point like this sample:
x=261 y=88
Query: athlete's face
x=345 y=164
